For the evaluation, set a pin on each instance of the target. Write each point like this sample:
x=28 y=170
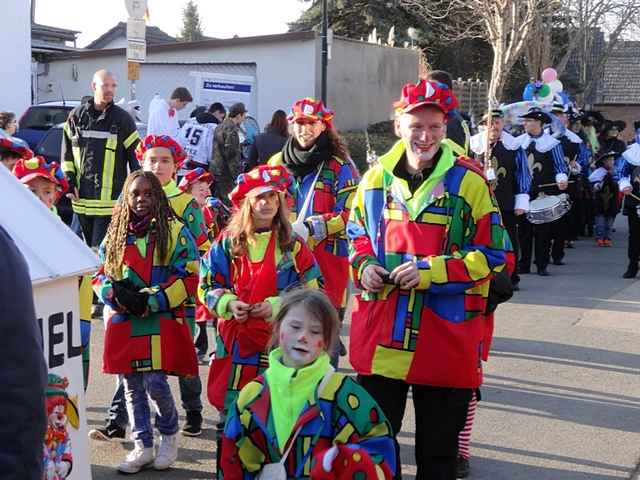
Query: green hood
x=422 y=197
x=290 y=390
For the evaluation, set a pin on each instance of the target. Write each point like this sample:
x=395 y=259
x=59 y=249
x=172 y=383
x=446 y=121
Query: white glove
x=301 y=229
x=63 y=469
x=319 y=227
x=329 y=457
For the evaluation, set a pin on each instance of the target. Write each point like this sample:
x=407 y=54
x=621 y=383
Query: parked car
x=40 y=118
x=50 y=147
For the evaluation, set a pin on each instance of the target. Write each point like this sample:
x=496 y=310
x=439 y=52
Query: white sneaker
x=167 y=452
x=138 y=458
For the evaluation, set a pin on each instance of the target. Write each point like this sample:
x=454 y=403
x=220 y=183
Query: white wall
x=364 y=79
x=285 y=71
x=15 y=56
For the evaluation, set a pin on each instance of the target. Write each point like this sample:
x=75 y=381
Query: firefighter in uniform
x=99 y=142
x=549 y=176
x=512 y=177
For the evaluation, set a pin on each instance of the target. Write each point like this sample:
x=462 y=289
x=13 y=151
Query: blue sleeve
x=626 y=169
x=583 y=159
x=523 y=174
x=559 y=164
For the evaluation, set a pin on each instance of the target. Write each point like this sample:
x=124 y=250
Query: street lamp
x=325 y=51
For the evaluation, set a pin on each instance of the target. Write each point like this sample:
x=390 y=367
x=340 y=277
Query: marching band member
x=513 y=179
x=549 y=176
x=630 y=185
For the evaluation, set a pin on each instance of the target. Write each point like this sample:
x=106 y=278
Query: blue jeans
x=603 y=227
x=191 y=393
x=136 y=388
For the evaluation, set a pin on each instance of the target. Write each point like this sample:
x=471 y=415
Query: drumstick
x=555 y=183
x=634 y=196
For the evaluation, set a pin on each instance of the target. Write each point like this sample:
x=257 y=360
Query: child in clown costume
x=256 y=257
x=323 y=188
x=57 y=456
x=164 y=156
x=301 y=417
x=146 y=256
x=45 y=180
x=197 y=182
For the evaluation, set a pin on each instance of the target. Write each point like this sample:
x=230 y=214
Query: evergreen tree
x=191 y=27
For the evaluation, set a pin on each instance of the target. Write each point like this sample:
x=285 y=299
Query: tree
x=507 y=25
x=191 y=26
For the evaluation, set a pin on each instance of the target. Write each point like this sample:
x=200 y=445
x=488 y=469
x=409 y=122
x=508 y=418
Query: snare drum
x=546 y=209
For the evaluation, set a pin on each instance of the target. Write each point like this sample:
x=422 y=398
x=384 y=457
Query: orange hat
x=193 y=176
x=426 y=93
x=27 y=170
x=154 y=141
x=310 y=109
x=260 y=180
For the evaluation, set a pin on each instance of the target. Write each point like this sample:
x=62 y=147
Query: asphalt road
x=561 y=398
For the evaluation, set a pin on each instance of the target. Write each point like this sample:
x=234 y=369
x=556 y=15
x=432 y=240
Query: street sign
x=136 y=8
x=136 y=50
x=136 y=29
x=133 y=71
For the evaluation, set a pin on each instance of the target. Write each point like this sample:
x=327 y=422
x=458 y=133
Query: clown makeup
x=422 y=130
x=306 y=132
x=159 y=161
x=301 y=337
x=200 y=191
x=44 y=189
x=264 y=208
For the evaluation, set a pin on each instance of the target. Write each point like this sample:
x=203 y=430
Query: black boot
x=632 y=271
x=462 y=469
x=193 y=425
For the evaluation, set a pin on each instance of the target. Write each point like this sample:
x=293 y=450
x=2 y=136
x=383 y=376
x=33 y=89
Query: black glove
x=129 y=298
x=636 y=125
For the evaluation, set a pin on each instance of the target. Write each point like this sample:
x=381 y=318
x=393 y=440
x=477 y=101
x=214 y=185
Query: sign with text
x=136 y=51
x=65 y=443
x=226 y=89
x=136 y=29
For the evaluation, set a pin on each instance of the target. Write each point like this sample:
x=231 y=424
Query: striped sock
x=464 y=439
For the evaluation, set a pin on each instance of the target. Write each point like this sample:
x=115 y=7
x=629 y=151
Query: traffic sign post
x=136 y=41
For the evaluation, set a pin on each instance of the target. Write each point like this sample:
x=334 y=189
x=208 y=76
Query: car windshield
x=43 y=118
x=51 y=144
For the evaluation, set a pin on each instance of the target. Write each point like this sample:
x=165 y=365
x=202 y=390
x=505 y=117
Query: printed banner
x=65 y=446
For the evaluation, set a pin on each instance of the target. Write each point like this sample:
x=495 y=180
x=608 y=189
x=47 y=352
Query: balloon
x=528 y=92
x=556 y=86
x=549 y=75
x=543 y=92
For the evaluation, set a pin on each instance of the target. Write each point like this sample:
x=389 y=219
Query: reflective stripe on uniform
x=98 y=135
x=72 y=167
x=108 y=168
x=90 y=207
x=131 y=139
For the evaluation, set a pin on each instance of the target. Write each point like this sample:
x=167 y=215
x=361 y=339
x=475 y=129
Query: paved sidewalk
x=561 y=399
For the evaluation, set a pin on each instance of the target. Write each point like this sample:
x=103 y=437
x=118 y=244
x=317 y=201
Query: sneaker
x=139 y=458
x=167 y=452
x=193 y=425
x=600 y=243
x=109 y=433
x=462 y=469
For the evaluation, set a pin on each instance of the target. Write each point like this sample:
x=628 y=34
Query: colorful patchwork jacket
x=241 y=348
x=329 y=212
x=344 y=415
x=451 y=228
x=162 y=339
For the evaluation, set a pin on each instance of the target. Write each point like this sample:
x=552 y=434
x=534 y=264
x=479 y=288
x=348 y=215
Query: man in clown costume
x=425 y=237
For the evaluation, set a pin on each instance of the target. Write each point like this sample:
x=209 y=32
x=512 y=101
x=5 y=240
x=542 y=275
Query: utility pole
x=325 y=51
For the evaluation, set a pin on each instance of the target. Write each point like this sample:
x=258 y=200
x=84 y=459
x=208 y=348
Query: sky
x=219 y=18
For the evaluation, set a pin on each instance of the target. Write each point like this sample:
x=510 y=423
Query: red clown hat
x=415 y=95
x=154 y=141
x=193 y=176
x=27 y=170
x=260 y=180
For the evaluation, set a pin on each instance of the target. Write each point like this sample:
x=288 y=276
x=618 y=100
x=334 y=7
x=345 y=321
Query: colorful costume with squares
x=344 y=415
x=161 y=340
x=432 y=334
x=261 y=276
